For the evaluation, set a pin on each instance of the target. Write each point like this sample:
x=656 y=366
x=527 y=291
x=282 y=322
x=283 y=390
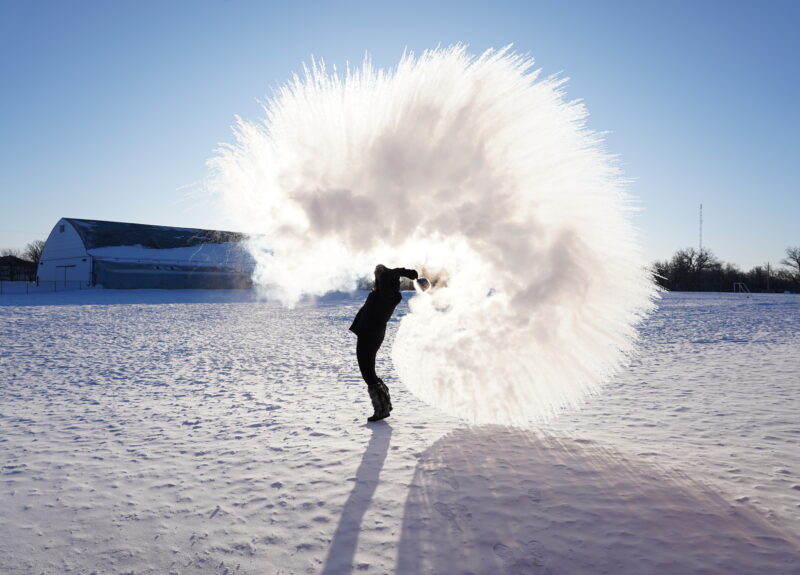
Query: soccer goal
x=740 y=287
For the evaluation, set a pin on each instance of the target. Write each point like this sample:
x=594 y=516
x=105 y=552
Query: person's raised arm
x=389 y=281
x=407 y=273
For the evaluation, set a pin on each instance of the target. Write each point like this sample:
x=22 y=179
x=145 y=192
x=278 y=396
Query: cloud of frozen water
x=473 y=168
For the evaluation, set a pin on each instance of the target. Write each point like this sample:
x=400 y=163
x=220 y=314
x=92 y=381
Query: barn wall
x=63 y=243
x=64 y=256
x=68 y=270
x=132 y=275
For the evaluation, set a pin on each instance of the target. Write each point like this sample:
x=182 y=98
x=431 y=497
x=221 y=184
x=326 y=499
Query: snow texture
x=479 y=174
x=185 y=432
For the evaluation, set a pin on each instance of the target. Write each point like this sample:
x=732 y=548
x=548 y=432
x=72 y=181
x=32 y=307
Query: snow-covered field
x=207 y=432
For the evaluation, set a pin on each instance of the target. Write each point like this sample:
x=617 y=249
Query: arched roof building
x=123 y=256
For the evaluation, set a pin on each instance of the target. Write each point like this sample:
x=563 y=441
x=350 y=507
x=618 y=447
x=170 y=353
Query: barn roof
x=100 y=234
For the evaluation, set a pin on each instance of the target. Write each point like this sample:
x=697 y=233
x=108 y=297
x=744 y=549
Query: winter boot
x=378 y=404
x=385 y=392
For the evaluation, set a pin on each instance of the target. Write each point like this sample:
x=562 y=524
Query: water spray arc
x=477 y=168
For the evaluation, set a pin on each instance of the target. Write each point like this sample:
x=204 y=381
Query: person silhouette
x=370 y=327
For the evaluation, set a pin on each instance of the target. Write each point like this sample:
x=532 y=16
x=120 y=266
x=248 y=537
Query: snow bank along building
x=119 y=255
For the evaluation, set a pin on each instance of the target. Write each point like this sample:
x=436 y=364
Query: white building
x=122 y=256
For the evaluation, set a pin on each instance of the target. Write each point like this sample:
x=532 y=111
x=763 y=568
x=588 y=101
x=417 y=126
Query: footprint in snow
x=452 y=513
x=448 y=476
x=535 y=495
x=527 y=559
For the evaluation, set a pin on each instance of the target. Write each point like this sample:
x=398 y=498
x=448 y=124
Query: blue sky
x=109 y=110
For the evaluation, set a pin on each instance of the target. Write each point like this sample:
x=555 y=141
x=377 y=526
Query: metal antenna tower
x=701 y=227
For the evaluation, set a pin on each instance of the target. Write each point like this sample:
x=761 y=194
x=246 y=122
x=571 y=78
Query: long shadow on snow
x=493 y=500
x=343 y=546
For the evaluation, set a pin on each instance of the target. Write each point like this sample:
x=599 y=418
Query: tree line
x=30 y=253
x=21 y=265
x=700 y=270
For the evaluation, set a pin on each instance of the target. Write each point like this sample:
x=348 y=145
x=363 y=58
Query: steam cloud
x=472 y=169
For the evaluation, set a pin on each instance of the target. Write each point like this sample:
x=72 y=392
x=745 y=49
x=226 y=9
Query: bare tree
x=9 y=252
x=695 y=261
x=690 y=269
x=792 y=260
x=33 y=251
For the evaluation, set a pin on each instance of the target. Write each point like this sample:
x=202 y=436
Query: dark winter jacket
x=379 y=307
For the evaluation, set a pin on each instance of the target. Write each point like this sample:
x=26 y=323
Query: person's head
x=379 y=269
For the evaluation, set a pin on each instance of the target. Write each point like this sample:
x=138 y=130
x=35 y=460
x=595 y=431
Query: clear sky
x=109 y=110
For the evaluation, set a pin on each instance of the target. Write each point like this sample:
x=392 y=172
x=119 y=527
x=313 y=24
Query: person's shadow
x=343 y=546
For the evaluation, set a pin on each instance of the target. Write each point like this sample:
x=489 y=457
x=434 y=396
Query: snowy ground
x=205 y=432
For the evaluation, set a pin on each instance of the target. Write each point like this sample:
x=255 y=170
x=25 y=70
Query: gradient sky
x=109 y=110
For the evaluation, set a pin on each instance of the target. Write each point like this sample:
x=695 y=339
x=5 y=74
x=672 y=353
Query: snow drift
x=471 y=169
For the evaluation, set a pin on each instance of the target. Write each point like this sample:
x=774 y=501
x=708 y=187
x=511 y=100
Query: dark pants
x=366 y=350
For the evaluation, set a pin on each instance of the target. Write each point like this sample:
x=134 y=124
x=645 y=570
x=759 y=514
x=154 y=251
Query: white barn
x=117 y=255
